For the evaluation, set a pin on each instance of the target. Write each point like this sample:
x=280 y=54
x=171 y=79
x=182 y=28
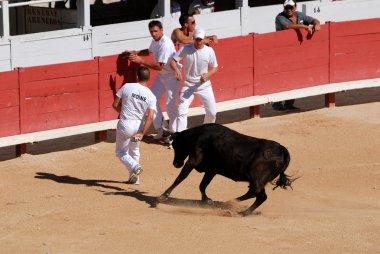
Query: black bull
x=215 y=149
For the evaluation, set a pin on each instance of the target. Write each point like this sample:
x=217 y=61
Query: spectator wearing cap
x=199 y=64
x=290 y=18
x=201 y=7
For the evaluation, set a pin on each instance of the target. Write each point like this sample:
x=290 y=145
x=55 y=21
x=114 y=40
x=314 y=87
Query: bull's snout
x=178 y=164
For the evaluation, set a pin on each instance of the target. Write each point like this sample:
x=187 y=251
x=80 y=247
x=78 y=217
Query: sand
x=69 y=195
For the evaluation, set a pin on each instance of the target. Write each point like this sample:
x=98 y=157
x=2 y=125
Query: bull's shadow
x=152 y=201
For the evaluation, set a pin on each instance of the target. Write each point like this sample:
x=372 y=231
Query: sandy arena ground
x=69 y=196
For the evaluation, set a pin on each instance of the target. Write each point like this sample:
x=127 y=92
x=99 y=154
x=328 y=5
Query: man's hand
x=309 y=29
x=178 y=74
x=316 y=27
x=135 y=58
x=137 y=137
x=205 y=77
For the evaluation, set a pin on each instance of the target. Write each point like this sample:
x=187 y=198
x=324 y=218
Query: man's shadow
x=152 y=201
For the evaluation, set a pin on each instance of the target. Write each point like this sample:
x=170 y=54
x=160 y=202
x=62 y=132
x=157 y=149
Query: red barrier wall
x=59 y=95
x=289 y=60
x=9 y=104
x=355 y=47
x=235 y=76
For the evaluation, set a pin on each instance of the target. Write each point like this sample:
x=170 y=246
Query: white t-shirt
x=203 y=9
x=196 y=62
x=136 y=99
x=163 y=51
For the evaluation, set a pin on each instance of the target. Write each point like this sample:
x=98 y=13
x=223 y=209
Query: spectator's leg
x=171 y=102
x=158 y=89
x=185 y=99
x=208 y=99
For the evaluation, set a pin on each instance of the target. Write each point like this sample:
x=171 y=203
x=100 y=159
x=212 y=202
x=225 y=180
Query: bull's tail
x=284 y=180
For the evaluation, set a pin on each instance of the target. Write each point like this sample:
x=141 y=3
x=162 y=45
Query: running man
x=136 y=105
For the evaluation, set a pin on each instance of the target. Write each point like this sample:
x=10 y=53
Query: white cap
x=289 y=2
x=199 y=33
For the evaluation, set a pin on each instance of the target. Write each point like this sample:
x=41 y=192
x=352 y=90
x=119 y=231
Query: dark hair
x=154 y=23
x=143 y=73
x=184 y=18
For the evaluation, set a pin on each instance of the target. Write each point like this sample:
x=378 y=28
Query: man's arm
x=174 y=67
x=180 y=37
x=206 y=76
x=316 y=24
x=116 y=104
x=148 y=123
x=150 y=64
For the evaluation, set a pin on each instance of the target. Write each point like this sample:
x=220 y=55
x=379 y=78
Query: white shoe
x=134 y=177
x=160 y=134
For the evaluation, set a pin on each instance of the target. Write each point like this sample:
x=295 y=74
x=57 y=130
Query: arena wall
x=55 y=96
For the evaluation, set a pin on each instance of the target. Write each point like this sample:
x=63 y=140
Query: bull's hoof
x=207 y=201
x=162 y=198
x=245 y=213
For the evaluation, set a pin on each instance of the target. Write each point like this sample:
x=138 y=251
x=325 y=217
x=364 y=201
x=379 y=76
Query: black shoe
x=277 y=106
x=290 y=107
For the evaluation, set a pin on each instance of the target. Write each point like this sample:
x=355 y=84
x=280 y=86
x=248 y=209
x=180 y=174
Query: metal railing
x=33 y=2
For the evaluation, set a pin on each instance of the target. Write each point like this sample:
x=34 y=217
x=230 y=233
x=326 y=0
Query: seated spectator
x=290 y=18
x=201 y=7
x=185 y=34
x=175 y=10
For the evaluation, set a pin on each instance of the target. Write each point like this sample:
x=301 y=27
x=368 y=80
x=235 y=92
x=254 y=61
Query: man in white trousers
x=136 y=105
x=200 y=64
x=163 y=50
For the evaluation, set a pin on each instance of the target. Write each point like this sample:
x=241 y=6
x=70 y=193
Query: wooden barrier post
x=100 y=136
x=330 y=100
x=20 y=149
x=254 y=111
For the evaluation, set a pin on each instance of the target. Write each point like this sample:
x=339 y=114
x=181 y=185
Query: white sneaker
x=134 y=177
x=160 y=134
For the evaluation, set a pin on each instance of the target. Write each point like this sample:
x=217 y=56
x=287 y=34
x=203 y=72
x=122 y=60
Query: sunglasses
x=289 y=7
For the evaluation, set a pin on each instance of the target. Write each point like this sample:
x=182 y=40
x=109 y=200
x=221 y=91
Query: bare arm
x=117 y=104
x=206 y=76
x=150 y=64
x=177 y=72
x=180 y=37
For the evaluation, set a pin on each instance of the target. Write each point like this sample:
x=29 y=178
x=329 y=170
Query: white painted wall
x=87 y=42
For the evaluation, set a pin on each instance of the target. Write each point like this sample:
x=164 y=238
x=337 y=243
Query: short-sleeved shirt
x=196 y=62
x=282 y=20
x=203 y=9
x=135 y=100
x=163 y=51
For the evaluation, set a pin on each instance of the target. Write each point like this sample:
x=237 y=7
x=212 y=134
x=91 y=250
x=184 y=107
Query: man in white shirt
x=201 y=7
x=200 y=64
x=163 y=51
x=136 y=105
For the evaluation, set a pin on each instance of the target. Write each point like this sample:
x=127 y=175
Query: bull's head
x=181 y=150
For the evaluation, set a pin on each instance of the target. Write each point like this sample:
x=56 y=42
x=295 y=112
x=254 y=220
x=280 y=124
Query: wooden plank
x=57 y=133
x=65 y=85
x=56 y=71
